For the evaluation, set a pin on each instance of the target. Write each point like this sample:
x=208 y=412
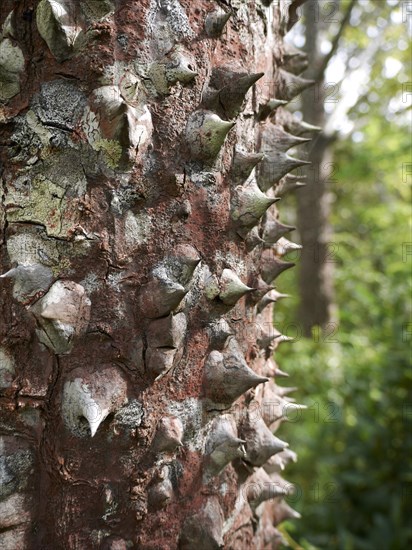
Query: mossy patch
x=39 y=201
x=111 y=149
x=61 y=267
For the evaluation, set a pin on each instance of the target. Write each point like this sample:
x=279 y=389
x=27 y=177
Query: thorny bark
x=135 y=339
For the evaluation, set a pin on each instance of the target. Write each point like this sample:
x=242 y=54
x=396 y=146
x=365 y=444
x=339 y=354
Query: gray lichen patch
x=15 y=468
x=37 y=127
x=112 y=151
x=233 y=260
x=125 y=196
x=62 y=161
x=14 y=511
x=169 y=24
x=11 y=66
x=29 y=280
x=138 y=228
x=44 y=194
x=91 y=283
x=191 y=414
x=7 y=369
x=130 y=416
x=97 y=9
x=27 y=142
x=65 y=168
x=115 y=278
x=28 y=247
x=59 y=104
x=177 y=19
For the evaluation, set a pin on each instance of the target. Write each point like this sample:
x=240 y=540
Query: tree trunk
x=318 y=251
x=137 y=392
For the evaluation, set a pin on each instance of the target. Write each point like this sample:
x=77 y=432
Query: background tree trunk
x=313 y=213
x=133 y=355
x=319 y=253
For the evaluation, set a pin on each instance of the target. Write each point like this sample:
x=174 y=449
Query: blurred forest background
x=353 y=367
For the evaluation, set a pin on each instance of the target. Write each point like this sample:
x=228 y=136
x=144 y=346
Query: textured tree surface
x=317 y=307
x=144 y=143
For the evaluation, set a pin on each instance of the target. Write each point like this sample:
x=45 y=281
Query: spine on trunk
x=145 y=145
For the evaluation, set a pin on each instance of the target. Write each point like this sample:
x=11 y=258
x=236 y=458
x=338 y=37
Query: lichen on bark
x=138 y=249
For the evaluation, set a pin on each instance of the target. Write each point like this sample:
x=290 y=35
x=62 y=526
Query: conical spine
x=227 y=375
x=92 y=397
x=205 y=134
x=232 y=288
x=270 y=298
x=289 y=185
x=219 y=332
x=261 y=444
x=204 y=528
x=285 y=512
x=175 y=67
x=299 y=127
x=262 y=488
x=252 y=238
x=291 y=85
x=223 y=444
x=266 y=338
x=160 y=296
x=277 y=463
x=268 y=108
x=215 y=22
x=227 y=101
x=249 y=204
x=272 y=369
x=161 y=492
x=294 y=61
x=274 y=166
x=275 y=138
x=274 y=230
x=243 y=164
x=283 y=246
x=169 y=434
x=272 y=267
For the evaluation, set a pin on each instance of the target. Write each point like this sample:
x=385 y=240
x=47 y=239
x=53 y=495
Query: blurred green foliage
x=354 y=477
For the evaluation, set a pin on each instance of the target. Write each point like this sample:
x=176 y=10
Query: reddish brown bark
x=127 y=237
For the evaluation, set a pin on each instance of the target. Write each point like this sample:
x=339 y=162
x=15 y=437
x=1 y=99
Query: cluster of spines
x=227 y=375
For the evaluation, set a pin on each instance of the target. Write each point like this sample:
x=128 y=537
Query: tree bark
x=313 y=201
x=137 y=386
